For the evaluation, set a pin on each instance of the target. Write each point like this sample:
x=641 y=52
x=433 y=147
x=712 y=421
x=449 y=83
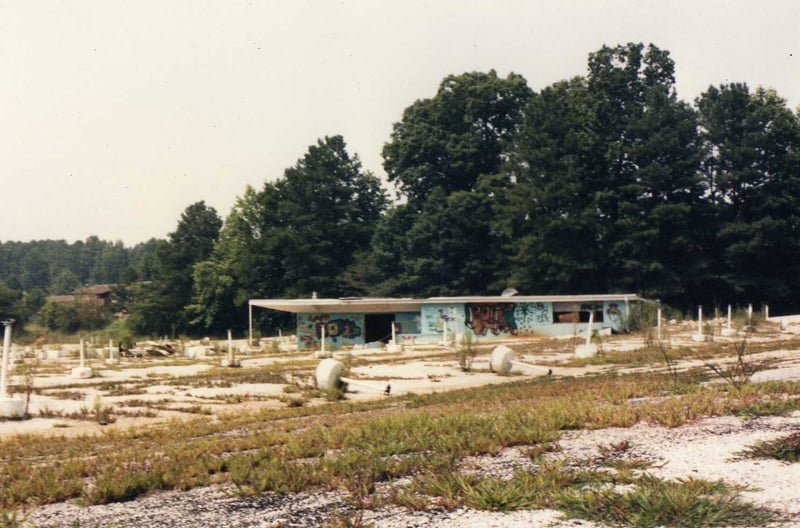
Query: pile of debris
x=153 y=349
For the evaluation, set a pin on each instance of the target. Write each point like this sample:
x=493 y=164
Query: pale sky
x=117 y=115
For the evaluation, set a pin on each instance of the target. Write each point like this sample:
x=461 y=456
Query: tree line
x=600 y=183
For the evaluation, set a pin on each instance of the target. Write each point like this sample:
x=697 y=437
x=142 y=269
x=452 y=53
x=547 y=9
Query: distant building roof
x=99 y=292
x=97 y=289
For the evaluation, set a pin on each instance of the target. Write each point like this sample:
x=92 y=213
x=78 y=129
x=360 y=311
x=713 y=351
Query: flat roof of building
x=408 y=304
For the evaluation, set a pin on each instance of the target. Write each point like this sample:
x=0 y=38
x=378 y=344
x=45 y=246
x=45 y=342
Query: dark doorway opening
x=378 y=327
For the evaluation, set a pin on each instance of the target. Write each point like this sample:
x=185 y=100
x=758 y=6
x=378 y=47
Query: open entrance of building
x=378 y=327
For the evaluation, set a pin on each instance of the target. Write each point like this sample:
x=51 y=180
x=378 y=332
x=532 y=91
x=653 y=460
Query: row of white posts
x=15 y=407
x=392 y=346
x=700 y=336
x=586 y=350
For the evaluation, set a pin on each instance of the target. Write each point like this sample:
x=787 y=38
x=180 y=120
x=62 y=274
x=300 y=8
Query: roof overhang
x=344 y=305
x=579 y=299
x=394 y=305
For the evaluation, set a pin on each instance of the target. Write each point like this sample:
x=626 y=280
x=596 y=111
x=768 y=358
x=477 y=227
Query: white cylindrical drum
x=328 y=374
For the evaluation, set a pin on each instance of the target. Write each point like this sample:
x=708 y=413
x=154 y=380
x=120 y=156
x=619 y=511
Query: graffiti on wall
x=495 y=318
x=337 y=328
x=407 y=323
x=435 y=316
x=530 y=315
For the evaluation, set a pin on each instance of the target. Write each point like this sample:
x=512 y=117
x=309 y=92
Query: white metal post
x=699 y=320
x=250 y=322
x=6 y=346
x=658 y=323
x=589 y=328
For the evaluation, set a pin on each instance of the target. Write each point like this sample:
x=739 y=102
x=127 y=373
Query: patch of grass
x=495 y=494
x=191 y=409
x=122 y=389
x=644 y=501
x=102 y=413
x=466 y=352
x=66 y=394
x=353 y=446
x=294 y=402
x=786 y=449
x=768 y=407
x=268 y=470
x=538 y=450
x=137 y=413
x=336 y=393
x=115 y=487
x=655 y=502
x=650 y=354
x=12 y=519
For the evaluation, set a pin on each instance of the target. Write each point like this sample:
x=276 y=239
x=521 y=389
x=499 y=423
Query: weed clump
x=655 y=502
x=786 y=449
x=742 y=369
x=465 y=353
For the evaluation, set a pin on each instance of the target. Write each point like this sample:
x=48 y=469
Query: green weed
x=654 y=502
x=786 y=449
x=355 y=446
x=740 y=371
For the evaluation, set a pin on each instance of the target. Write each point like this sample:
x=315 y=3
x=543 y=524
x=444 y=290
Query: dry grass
x=354 y=446
x=362 y=449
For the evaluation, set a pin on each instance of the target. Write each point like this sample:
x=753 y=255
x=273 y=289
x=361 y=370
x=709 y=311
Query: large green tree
x=449 y=248
x=327 y=209
x=300 y=234
x=160 y=306
x=9 y=299
x=442 y=157
x=450 y=140
x=547 y=215
x=245 y=263
x=35 y=271
x=751 y=171
x=110 y=264
x=649 y=205
x=604 y=185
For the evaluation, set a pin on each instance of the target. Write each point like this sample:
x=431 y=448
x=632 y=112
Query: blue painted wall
x=407 y=322
x=510 y=318
x=483 y=320
x=341 y=330
x=345 y=329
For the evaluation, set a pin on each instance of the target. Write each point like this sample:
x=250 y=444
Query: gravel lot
x=703 y=449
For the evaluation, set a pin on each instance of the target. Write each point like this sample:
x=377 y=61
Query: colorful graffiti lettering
x=499 y=318
x=336 y=328
x=530 y=315
x=543 y=314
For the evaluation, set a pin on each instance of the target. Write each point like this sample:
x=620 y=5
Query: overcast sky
x=117 y=115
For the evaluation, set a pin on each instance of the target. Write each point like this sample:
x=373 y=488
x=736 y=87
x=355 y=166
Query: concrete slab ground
x=141 y=391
